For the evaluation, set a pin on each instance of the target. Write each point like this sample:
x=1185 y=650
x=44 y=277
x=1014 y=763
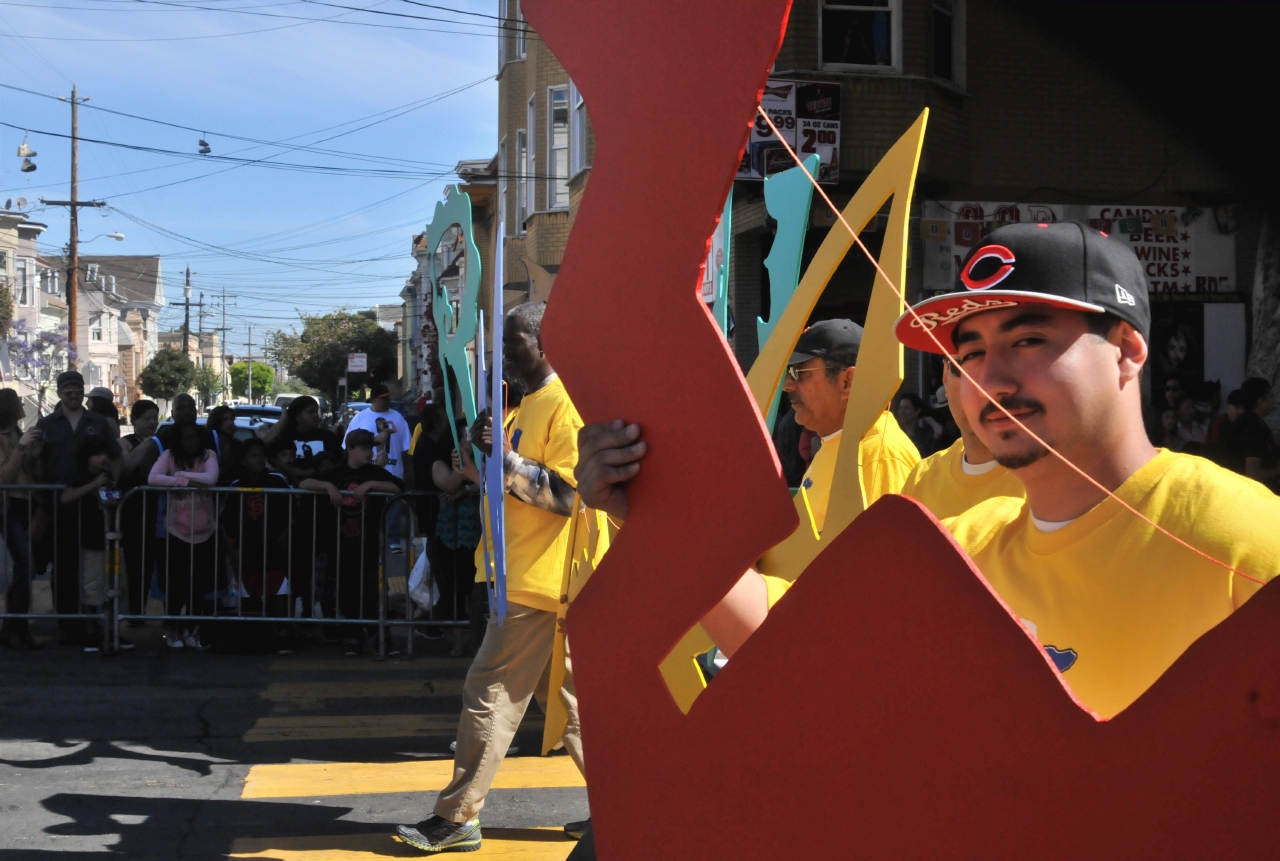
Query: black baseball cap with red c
x=1063 y=265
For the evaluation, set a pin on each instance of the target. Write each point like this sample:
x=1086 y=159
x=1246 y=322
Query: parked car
x=257 y=410
x=246 y=426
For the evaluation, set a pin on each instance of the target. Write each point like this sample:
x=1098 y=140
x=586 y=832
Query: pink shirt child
x=188 y=516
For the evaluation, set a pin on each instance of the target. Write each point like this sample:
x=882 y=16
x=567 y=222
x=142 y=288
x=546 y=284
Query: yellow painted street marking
x=278 y=691
x=321 y=727
x=528 y=844
x=302 y=664
x=306 y=780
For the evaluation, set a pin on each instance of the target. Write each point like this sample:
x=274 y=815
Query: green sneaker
x=438 y=834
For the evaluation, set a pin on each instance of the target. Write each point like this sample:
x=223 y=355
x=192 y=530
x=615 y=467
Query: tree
x=6 y=307
x=208 y=383
x=39 y=357
x=168 y=373
x=318 y=356
x=263 y=377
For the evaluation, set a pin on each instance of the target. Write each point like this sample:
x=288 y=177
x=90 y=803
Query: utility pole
x=186 y=322
x=74 y=204
x=226 y=371
x=248 y=357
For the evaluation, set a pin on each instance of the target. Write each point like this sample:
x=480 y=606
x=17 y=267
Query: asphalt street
x=187 y=755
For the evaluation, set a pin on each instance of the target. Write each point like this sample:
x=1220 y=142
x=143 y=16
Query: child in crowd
x=96 y=499
x=190 y=520
x=355 y=538
x=256 y=526
x=282 y=457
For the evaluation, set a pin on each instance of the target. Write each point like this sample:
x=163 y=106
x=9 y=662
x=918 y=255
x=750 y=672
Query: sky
x=323 y=230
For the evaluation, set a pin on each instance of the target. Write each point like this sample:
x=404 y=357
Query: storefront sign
x=1183 y=249
x=807 y=115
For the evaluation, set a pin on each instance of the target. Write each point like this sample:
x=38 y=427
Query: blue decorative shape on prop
x=456 y=326
x=496 y=546
x=720 y=307
x=787 y=196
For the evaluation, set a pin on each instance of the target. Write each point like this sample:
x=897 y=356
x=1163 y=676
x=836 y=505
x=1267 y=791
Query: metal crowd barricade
x=135 y=558
x=45 y=542
x=306 y=573
x=443 y=617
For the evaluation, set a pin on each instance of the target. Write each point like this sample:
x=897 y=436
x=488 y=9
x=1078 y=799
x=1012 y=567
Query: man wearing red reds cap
x=1051 y=321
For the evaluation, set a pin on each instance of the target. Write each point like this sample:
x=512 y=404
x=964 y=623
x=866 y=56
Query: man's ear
x=846 y=381
x=1133 y=351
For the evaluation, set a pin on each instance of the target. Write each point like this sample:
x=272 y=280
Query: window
x=22 y=271
x=4 y=263
x=502 y=34
x=531 y=157
x=864 y=35
x=522 y=46
x=95 y=328
x=948 y=41
x=558 y=148
x=522 y=199
x=502 y=183
x=577 y=131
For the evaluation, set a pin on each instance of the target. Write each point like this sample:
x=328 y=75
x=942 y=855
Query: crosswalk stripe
x=306 y=780
x=518 y=844
x=298 y=664
x=319 y=727
x=283 y=691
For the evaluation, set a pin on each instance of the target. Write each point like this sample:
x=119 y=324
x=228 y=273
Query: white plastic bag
x=422 y=586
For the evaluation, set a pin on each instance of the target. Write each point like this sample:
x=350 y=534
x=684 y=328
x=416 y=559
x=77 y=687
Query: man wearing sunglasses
x=818 y=380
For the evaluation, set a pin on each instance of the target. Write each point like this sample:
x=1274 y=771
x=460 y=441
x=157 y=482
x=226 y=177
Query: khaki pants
x=512 y=665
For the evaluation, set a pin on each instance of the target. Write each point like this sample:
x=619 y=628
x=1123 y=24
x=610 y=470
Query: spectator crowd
x=227 y=530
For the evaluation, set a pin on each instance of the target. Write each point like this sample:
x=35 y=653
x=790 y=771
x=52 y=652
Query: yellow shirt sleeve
x=886 y=457
x=561 y=454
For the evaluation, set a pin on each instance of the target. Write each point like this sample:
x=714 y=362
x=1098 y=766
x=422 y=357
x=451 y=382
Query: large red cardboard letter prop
x=890 y=707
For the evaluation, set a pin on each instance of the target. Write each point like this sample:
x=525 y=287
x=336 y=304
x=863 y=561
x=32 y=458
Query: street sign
x=357 y=363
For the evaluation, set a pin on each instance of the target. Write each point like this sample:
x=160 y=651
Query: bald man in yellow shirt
x=1051 y=320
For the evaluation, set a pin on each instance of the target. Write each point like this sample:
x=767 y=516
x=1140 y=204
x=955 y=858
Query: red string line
x=972 y=381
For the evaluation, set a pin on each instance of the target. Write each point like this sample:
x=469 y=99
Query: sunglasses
x=793 y=372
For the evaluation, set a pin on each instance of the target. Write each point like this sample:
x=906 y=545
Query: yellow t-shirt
x=940 y=484
x=545 y=430
x=1113 y=602
x=886 y=456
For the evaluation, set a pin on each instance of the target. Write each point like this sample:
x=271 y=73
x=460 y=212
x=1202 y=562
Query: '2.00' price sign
x=807 y=115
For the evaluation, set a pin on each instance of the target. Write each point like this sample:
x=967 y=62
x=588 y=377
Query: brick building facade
x=1024 y=123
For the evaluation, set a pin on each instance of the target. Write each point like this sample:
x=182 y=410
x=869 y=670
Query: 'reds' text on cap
x=1063 y=265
